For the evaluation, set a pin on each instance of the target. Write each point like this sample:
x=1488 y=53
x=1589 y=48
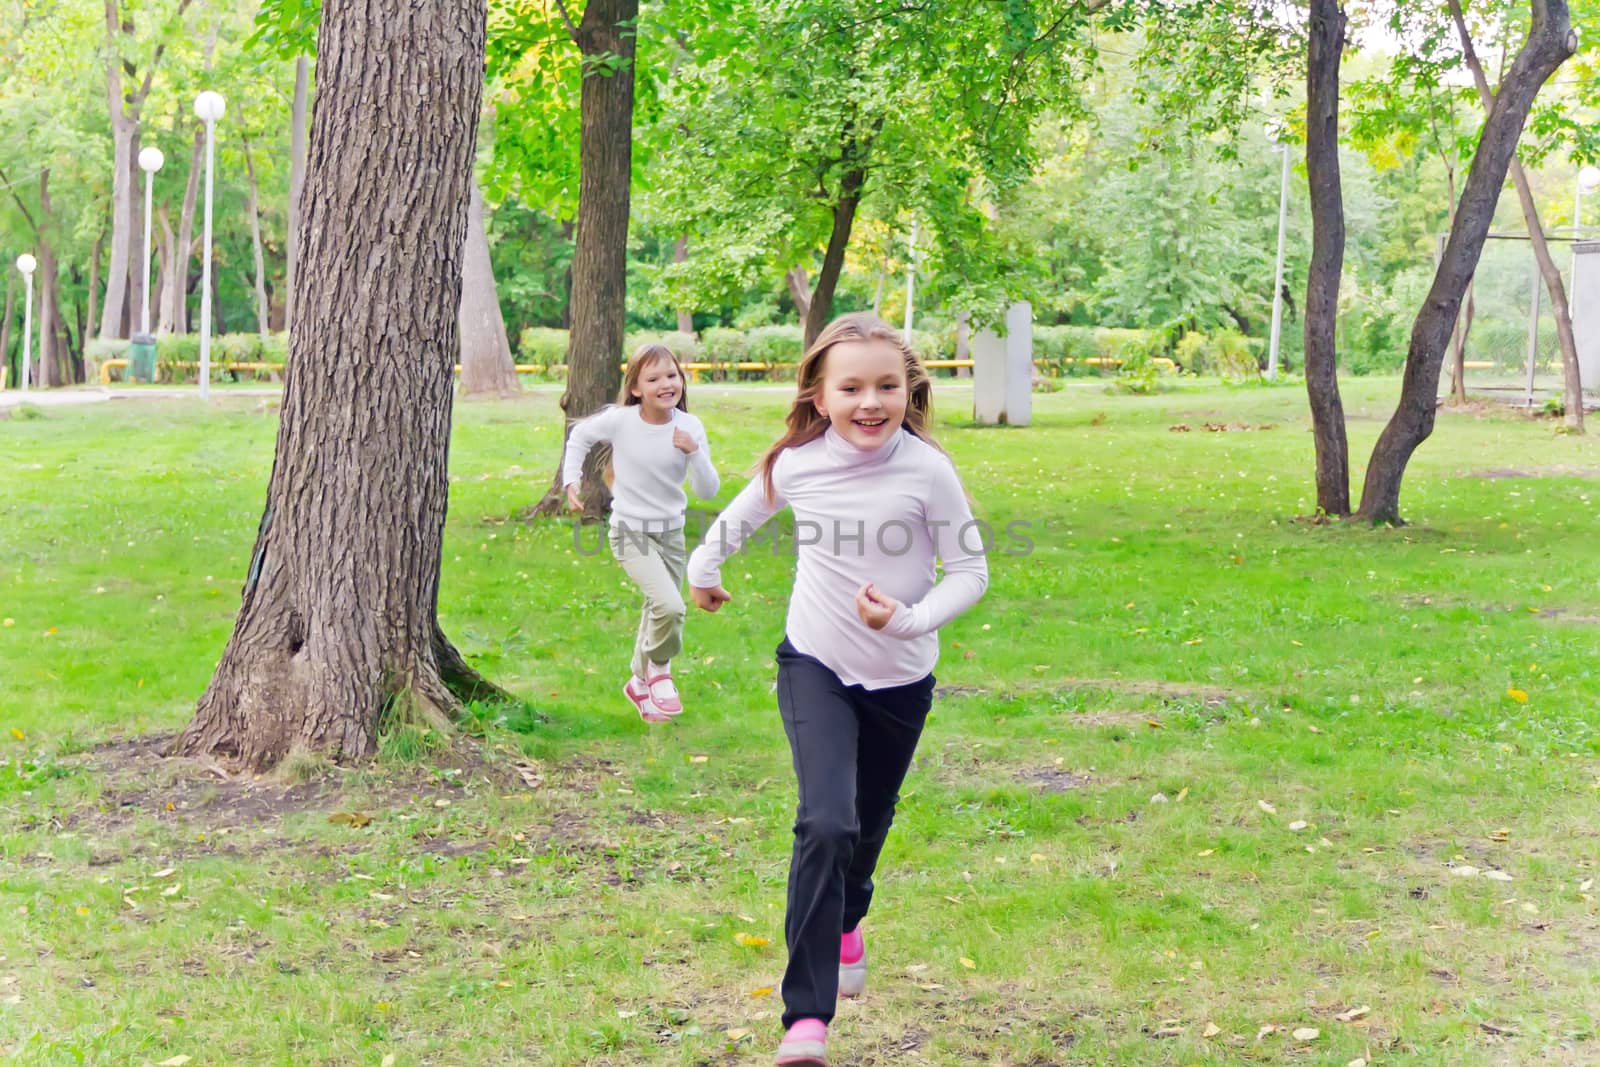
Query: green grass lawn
x=1203 y=777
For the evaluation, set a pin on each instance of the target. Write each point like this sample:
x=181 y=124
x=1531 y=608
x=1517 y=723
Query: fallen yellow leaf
x=175 y=1061
x=736 y=1035
x=764 y=991
x=751 y=939
x=1520 y=696
x=18 y=734
x=968 y=964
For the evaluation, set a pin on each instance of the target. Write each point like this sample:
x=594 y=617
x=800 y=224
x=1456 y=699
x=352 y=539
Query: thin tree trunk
x=94 y=274
x=167 y=284
x=135 y=287
x=186 y=238
x=10 y=379
x=1458 y=346
x=799 y=283
x=1327 y=257
x=963 y=337
x=46 y=280
x=680 y=254
x=877 y=298
x=297 y=181
x=1550 y=41
x=255 y=241
x=487 y=368
x=820 y=309
x=339 y=616
x=1572 y=384
x=599 y=262
x=568 y=229
x=219 y=322
x=123 y=128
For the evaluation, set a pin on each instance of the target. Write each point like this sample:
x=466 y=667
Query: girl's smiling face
x=658 y=389
x=863 y=391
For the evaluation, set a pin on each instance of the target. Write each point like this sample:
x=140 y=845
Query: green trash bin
x=142 y=358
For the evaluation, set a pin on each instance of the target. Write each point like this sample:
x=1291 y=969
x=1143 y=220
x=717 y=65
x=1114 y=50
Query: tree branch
x=572 y=27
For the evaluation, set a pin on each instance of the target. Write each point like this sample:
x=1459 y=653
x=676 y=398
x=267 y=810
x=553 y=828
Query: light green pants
x=655 y=562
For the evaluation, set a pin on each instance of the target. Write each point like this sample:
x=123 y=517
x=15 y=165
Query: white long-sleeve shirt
x=882 y=516
x=647 y=490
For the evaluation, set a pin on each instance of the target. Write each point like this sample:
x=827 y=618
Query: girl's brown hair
x=646 y=355
x=806 y=423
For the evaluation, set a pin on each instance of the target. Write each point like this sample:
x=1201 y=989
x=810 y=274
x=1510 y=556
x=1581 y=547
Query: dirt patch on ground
x=1053 y=779
x=137 y=782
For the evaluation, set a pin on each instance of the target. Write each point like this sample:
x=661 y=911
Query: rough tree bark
x=599 y=260
x=1327 y=257
x=1550 y=41
x=1572 y=384
x=297 y=183
x=486 y=365
x=339 y=611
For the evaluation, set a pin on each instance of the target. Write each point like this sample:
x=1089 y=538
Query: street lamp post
x=26 y=264
x=1588 y=179
x=150 y=161
x=1275 y=134
x=209 y=106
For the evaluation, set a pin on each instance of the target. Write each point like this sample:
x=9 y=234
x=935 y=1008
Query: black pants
x=851 y=747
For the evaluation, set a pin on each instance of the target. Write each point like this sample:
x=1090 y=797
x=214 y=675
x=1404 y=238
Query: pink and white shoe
x=638 y=695
x=663 y=693
x=804 y=1045
x=852 y=964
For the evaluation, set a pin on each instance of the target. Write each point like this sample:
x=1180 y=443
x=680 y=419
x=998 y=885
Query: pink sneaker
x=852 y=964
x=639 y=695
x=805 y=1045
x=663 y=694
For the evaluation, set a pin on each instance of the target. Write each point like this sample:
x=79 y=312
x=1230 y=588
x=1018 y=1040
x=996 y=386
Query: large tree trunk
x=297 y=181
x=1550 y=42
x=487 y=368
x=253 y=197
x=1327 y=257
x=1573 y=385
x=599 y=261
x=339 y=612
x=820 y=309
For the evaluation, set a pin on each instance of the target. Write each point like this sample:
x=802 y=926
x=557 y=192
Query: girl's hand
x=875 y=608
x=708 y=599
x=574 y=501
x=684 y=442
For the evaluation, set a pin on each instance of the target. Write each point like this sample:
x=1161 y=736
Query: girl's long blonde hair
x=806 y=423
x=646 y=355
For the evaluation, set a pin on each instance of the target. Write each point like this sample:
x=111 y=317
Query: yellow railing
x=693 y=369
